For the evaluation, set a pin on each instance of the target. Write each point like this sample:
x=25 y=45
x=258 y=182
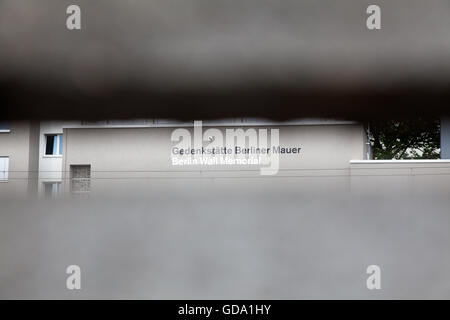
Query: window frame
x=5 y=124
x=59 y=145
x=5 y=172
x=54 y=192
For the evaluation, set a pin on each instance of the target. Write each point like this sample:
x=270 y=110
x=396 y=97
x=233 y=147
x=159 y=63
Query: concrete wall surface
x=400 y=176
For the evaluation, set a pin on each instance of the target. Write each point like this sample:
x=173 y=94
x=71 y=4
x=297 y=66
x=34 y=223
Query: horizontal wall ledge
x=399 y=161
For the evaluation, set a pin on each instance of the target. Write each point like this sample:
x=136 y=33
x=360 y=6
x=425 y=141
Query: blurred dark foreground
x=202 y=59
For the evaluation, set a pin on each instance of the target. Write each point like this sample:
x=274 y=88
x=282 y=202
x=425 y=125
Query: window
x=4 y=168
x=80 y=176
x=52 y=189
x=53 y=144
x=5 y=127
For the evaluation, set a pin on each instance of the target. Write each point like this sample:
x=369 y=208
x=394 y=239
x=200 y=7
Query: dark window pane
x=49 y=144
x=5 y=126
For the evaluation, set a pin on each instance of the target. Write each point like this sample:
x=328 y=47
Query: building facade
x=84 y=158
x=19 y=161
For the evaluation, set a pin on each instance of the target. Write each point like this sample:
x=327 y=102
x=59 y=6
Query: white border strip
x=398 y=161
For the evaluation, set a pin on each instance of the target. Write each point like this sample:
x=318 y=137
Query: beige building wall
x=400 y=177
x=139 y=160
